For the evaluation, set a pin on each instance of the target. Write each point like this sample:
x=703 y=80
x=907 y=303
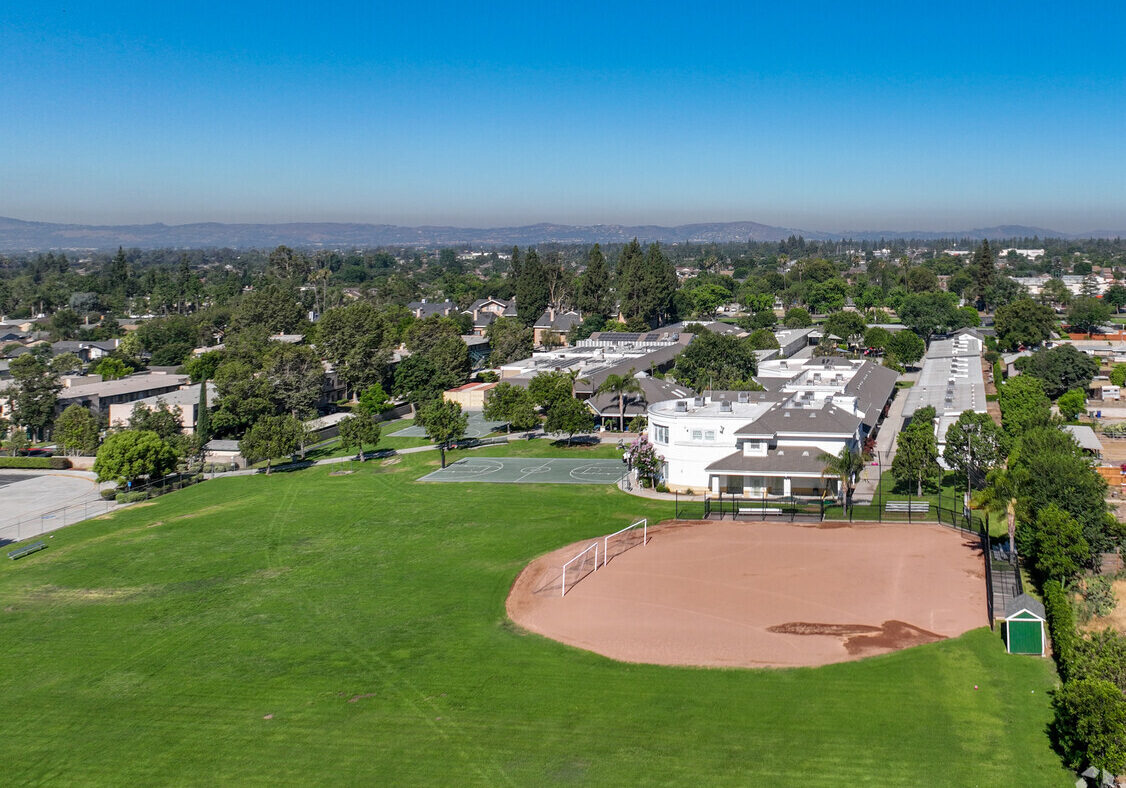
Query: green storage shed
x=1024 y=626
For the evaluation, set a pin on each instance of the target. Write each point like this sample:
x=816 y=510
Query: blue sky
x=824 y=116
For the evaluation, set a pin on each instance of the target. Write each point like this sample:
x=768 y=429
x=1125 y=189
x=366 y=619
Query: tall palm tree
x=575 y=379
x=1000 y=497
x=846 y=466
x=620 y=385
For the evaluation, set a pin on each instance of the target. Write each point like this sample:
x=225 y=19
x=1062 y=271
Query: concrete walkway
x=885 y=448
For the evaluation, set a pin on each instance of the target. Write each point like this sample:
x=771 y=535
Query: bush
x=1061 y=626
x=132 y=497
x=109 y=495
x=45 y=463
x=662 y=488
x=1089 y=728
x=1098 y=596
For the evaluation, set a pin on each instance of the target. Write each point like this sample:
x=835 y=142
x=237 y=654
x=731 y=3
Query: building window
x=709 y=435
x=697 y=435
x=660 y=434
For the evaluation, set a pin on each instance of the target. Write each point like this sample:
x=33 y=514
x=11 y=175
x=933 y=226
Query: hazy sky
x=824 y=116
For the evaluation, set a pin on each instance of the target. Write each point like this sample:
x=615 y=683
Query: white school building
x=755 y=443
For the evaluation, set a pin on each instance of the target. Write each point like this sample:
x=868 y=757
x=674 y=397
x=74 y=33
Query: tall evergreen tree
x=203 y=418
x=985 y=276
x=531 y=289
x=594 y=290
x=660 y=280
x=631 y=280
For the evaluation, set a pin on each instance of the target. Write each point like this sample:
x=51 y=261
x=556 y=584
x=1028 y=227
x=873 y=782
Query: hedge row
x=1061 y=627
x=45 y=463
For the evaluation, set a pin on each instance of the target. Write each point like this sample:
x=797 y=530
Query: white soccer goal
x=630 y=536
x=580 y=566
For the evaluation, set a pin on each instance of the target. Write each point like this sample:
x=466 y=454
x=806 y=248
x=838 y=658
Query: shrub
x=1098 y=596
x=1089 y=728
x=45 y=463
x=109 y=495
x=1061 y=626
x=132 y=497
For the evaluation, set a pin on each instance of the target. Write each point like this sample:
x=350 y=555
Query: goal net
x=580 y=566
x=629 y=537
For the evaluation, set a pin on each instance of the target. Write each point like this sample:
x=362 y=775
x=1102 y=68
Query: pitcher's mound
x=761 y=594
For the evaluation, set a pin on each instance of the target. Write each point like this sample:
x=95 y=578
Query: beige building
x=185 y=400
x=471 y=396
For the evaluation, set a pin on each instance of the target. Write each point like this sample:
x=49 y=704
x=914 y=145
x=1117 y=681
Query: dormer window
x=754 y=448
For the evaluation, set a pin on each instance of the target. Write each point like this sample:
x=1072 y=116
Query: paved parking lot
x=29 y=500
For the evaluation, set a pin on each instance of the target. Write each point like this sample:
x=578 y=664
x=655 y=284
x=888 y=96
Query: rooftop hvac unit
x=724 y=406
x=699 y=402
x=682 y=406
x=744 y=396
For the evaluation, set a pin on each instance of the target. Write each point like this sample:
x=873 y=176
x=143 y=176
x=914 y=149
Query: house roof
x=67 y=346
x=828 y=419
x=480 y=302
x=428 y=308
x=1085 y=437
x=652 y=390
x=560 y=321
x=1025 y=602
x=131 y=384
x=776 y=462
x=872 y=386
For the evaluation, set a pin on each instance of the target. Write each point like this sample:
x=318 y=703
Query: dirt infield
x=761 y=594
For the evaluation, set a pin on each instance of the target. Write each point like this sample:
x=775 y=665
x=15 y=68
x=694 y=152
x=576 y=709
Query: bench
x=759 y=510
x=27 y=549
x=914 y=507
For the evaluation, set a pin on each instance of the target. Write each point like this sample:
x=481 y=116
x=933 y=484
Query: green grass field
x=303 y=628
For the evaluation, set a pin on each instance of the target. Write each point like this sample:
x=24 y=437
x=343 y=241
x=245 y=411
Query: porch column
x=786 y=489
x=715 y=485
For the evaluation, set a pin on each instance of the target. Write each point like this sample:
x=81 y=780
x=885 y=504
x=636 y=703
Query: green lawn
x=332 y=448
x=303 y=628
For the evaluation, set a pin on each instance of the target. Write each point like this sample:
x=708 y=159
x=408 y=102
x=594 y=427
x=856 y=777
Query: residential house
x=484 y=311
x=553 y=325
x=86 y=351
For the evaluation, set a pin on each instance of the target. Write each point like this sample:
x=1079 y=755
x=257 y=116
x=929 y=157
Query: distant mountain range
x=18 y=235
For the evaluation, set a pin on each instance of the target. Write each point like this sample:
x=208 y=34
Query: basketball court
x=478 y=427
x=529 y=470
x=757 y=594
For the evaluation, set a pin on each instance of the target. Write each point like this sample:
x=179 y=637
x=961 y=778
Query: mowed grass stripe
x=366 y=614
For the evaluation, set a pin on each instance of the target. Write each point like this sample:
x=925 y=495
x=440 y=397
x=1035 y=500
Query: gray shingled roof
x=1025 y=602
x=563 y=321
x=826 y=420
x=777 y=462
x=652 y=390
x=872 y=385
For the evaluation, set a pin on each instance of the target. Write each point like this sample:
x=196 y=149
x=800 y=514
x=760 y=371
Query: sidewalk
x=885 y=448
